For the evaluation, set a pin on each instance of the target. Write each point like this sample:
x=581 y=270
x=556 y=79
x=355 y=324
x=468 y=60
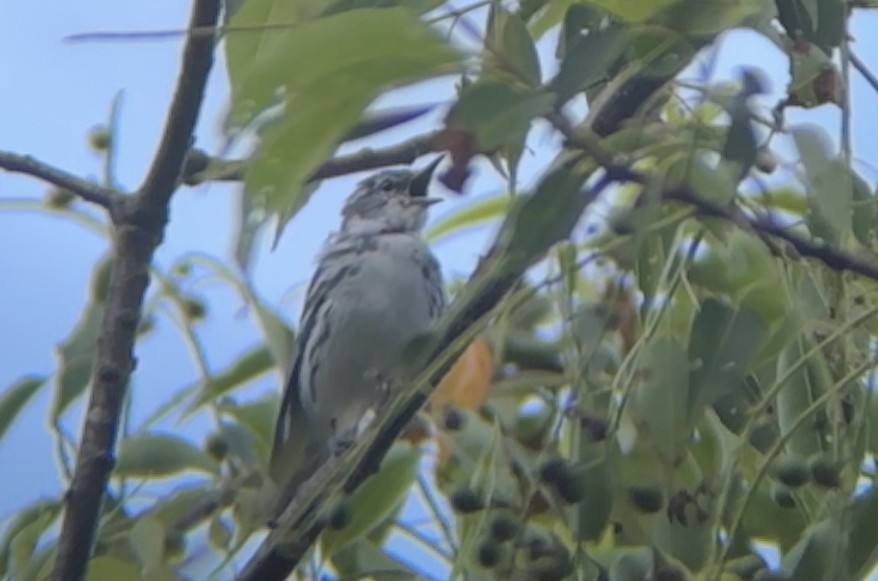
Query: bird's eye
x=387 y=185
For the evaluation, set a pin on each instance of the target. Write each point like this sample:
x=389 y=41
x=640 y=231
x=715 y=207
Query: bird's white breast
x=372 y=313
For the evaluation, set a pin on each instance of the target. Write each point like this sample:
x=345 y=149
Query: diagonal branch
x=832 y=257
x=88 y=191
x=168 y=163
x=139 y=223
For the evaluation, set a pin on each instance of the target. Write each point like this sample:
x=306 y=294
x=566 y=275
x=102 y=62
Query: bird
x=376 y=287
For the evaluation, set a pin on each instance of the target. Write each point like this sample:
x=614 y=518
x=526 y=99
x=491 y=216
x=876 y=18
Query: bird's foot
x=340 y=443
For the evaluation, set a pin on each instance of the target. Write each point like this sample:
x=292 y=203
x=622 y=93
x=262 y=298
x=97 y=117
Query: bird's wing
x=296 y=450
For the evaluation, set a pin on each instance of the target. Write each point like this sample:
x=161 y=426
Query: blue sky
x=52 y=92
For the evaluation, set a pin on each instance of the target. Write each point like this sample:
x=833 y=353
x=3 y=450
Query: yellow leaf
x=467 y=383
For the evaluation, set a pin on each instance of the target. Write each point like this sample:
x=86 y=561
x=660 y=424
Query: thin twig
x=863 y=70
x=88 y=191
x=139 y=225
x=198 y=32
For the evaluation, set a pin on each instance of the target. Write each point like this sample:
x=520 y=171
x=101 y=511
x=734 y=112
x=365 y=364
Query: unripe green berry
x=825 y=472
x=59 y=198
x=217 y=447
x=488 y=554
x=647 y=499
x=466 y=500
x=792 y=471
x=99 y=139
x=504 y=527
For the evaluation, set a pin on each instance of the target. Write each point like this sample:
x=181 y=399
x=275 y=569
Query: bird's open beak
x=426 y=201
x=421 y=181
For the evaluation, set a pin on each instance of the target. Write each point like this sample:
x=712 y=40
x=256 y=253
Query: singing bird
x=376 y=287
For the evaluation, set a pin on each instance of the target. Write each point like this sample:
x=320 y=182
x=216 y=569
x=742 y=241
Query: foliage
x=658 y=400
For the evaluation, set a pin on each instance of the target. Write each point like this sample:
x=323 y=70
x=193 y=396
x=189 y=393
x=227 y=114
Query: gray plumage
x=377 y=286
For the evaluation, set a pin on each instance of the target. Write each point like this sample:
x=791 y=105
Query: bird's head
x=390 y=201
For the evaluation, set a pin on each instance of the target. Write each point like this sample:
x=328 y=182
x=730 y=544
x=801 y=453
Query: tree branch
x=832 y=257
x=200 y=167
x=88 y=191
x=139 y=223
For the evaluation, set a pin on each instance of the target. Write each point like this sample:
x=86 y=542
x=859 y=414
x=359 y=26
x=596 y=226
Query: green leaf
x=147 y=539
x=76 y=356
x=697 y=175
x=469 y=216
x=326 y=8
x=245 y=369
x=27 y=522
x=794 y=399
x=158 y=455
x=863 y=534
x=278 y=335
x=14 y=398
x=709 y=17
x=510 y=47
x=829 y=186
x=817 y=556
x=831 y=23
x=821 y=22
x=377 y=498
x=787 y=199
x=543 y=16
x=254 y=41
x=741 y=267
x=723 y=344
x=633 y=10
x=597 y=485
x=865 y=209
x=23 y=544
x=499 y=114
x=111 y=569
x=362 y=53
x=170 y=509
x=589 y=61
x=220 y=533
x=540 y=220
x=369 y=555
x=659 y=399
x=297 y=146
x=579 y=20
x=258 y=416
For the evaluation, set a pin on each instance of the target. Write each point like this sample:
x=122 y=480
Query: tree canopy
x=661 y=367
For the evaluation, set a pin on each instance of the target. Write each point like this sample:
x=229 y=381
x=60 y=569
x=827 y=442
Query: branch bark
x=88 y=191
x=139 y=223
x=200 y=167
